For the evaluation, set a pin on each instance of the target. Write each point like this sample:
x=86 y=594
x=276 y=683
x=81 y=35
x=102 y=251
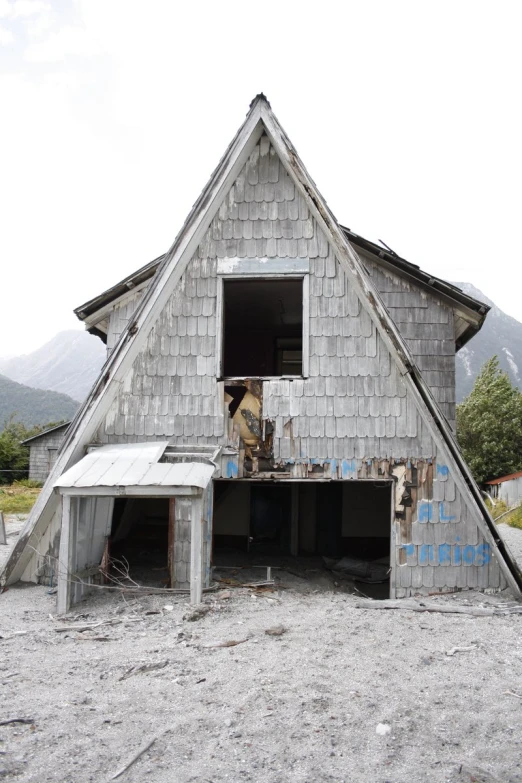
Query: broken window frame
x=220 y=321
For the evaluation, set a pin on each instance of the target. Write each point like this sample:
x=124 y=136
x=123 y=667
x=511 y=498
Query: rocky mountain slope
x=69 y=364
x=33 y=406
x=500 y=336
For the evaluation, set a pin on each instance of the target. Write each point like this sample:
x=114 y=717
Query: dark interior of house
x=263 y=328
x=139 y=538
x=333 y=521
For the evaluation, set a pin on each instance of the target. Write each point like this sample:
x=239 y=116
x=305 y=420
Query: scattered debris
x=462 y=649
x=417 y=606
x=476 y=775
x=197 y=613
x=16 y=720
x=369 y=571
x=14 y=635
x=383 y=729
x=87 y=626
x=231 y=643
x=512 y=693
x=94 y=638
x=168 y=607
x=145 y=667
x=277 y=630
x=134 y=759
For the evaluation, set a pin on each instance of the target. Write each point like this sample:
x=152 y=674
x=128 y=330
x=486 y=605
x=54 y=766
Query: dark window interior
x=263 y=328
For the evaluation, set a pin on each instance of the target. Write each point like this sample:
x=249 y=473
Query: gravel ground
x=344 y=694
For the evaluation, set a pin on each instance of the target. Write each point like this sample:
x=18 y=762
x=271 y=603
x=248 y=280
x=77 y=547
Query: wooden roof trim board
x=45 y=432
x=169 y=272
x=509 y=477
x=99 y=305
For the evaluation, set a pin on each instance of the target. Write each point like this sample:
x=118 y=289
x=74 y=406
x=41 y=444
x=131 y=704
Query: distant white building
x=508 y=488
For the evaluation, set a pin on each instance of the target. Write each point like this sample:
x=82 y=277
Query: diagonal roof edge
x=169 y=272
x=96 y=405
x=46 y=432
x=391 y=336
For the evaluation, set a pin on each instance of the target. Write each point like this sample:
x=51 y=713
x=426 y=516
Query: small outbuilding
x=507 y=488
x=43 y=449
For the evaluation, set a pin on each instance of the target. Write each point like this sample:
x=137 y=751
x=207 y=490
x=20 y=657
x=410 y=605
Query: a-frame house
x=273 y=380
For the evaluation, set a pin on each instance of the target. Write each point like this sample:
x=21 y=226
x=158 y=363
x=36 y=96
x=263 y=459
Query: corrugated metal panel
x=134 y=464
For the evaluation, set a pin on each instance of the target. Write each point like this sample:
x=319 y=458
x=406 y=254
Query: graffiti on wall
x=449 y=554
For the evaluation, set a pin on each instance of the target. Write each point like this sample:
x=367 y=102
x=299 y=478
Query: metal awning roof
x=133 y=469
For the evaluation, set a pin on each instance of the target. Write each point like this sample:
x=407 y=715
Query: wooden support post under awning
x=172 y=527
x=196 y=550
x=63 y=603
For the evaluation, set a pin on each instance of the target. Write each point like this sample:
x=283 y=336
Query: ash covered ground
x=341 y=694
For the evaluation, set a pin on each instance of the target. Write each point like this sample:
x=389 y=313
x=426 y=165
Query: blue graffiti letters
x=448 y=554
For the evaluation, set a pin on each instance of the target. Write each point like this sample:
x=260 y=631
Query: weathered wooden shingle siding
x=42 y=454
x=120 y=316
x=353 y=416
x=427 y=325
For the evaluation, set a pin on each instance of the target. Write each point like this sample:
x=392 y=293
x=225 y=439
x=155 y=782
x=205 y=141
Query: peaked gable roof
x=46 y=432
x=259 y=119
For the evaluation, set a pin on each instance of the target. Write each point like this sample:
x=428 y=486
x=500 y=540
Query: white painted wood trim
x=196 y=550
x=99 y=315
x=261 y=267
x=306 y=326
x=122 y=492
x=220 y=326
x=63 y=602
x=393 y=542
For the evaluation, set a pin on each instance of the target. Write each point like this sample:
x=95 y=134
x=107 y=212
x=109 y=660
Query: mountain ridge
x=69 y=363
x=33 y=407
x=501 y=335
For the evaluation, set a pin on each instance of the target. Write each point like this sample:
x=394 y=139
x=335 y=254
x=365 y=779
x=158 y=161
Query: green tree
x=489 y=425
x=14 y=458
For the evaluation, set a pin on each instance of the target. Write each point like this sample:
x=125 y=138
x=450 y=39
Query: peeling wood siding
x=427 y=325
x=42 y=454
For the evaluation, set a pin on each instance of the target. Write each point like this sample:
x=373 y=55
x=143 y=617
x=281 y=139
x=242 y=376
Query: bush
x=16 y=499
x=512 y=518
x=29 y=483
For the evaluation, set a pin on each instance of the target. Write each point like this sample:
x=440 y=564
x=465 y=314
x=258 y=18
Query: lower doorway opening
x=139 y=540
x=338 y=531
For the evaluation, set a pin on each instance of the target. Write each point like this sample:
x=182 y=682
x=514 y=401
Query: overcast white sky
x=113 y=114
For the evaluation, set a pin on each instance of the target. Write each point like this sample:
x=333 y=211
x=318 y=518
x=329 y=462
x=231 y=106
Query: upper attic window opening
x=263 y=328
